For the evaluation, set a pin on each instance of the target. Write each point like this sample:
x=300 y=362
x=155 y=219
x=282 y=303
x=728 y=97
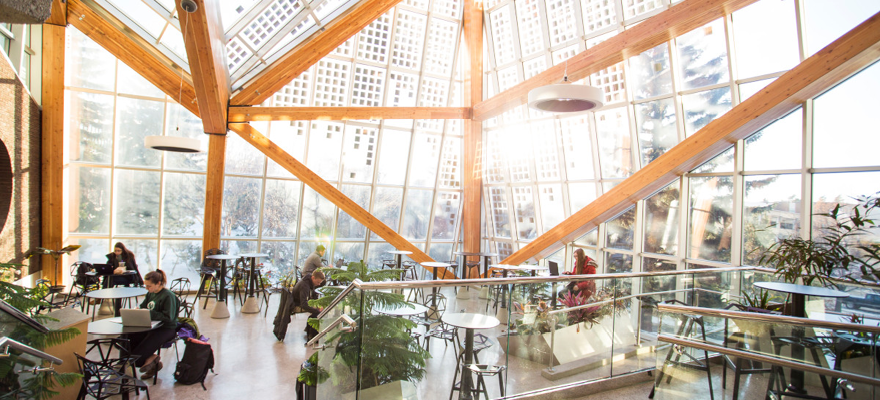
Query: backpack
x=197 y=359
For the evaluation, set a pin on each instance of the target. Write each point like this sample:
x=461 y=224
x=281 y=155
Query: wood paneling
x=290 y=65
x=113 y=35
x=328 y=191
x=473 y=130
x=677 y=20
x=59 y=13
x=248 y=113
x=214 y=191
x=206 y=52
x=847 y=55
x=54 y=200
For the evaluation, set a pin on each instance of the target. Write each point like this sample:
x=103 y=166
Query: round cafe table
x=116 y=294
x=799 y=309
x=251 y=305
x=220 y=308
x=484 y=263
x=106 y=327
x=398 y=256
x=434 y=265
x=469 y=322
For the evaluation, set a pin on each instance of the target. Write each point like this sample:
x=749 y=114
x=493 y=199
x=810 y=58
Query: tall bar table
x=220 y=308
x=251 y=305
x=484 y=262
x=398 y=256
x=469 y=322
x=434 y=265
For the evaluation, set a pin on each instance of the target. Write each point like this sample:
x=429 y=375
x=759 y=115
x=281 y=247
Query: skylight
x=155 y=21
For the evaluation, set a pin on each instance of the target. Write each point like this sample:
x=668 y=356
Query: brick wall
x=20 y=129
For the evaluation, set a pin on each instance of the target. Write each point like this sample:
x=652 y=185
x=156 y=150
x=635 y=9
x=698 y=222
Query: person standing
x=303 y=291
x=119 y=255
x=313 y=262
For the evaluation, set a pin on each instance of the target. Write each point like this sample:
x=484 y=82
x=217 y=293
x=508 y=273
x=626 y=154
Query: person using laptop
x=122 y=260
x=163 y=305
x=583 y=265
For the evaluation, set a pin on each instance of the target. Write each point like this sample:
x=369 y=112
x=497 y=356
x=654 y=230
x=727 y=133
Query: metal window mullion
x=738 y=202
x=807 y=170
x=800 y=15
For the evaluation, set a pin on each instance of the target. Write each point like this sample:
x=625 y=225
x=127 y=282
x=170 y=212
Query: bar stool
x=207 y=284
x=486 y=370
x=688 y=323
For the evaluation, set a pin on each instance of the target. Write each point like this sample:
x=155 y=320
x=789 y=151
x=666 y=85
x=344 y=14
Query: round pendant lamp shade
x=174 y=143
x=566 y=98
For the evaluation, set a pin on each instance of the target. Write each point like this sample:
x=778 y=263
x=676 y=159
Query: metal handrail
x=7 y=343
x=342 y=318
x=355 y=284
x=768 y=318
x=771 y=360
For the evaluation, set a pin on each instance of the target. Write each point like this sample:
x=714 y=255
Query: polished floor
x=251 y=363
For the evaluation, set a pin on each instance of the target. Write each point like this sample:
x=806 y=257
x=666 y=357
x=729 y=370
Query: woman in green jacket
x=163 y=306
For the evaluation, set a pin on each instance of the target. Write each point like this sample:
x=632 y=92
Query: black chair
x=208 y=271
x=51 y=295
x=481 y=342
x=102 y=380
x=82 y=283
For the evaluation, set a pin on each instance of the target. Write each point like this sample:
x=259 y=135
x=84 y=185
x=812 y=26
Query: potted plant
x=310 y=375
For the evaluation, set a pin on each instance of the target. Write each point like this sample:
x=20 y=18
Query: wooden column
x=473 y=130
x=214 y=191
x=53 y=202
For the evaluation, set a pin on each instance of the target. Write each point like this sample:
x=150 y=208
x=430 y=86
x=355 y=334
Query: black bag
x=81 y=277
x=197 y=359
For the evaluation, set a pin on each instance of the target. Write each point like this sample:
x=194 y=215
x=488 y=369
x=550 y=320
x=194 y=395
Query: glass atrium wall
x=727 y=210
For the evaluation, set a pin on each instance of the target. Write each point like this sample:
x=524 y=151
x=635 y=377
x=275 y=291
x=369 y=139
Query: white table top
x=404 y=310
x=117 y=293
x=223 y=257
x=254 y=255
x=435 y=264
x=402 y=252
x=801 y=289
x=470 y=320
x=468 y=253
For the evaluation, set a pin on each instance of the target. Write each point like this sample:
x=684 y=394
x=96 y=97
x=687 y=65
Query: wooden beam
x=58 y=14
x=841 y=59
x=675 y=21
x=303 y=56
x=109 y=32
x=206 y=53
x=214 y=192
x=248 y=113
x=53 y=201
x=473 y=130
x=307 y=176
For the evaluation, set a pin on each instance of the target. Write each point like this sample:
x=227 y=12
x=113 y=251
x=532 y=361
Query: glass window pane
x=181 y=259
x=832 y=189
x=130 y=82
x=239 y=246
x=524 y=203
x=616 y=263
x=183 y=123
x=777 y=146
x=826 y=21
x=184 y=205
x=441 y=252
x=702 y=108
x=135 y=120
x=580 y=195
x=649 y=73
x=306 y=248
x=445 y=214
x=317 y=216
x=136 y=202
x=281 y=208
x=552 y=207
x=450 y=163
x=619 y=231
x=519 y=157
x=359 y=154
x=92 y=251
x=615 y=152
x=418 y=210
x=655 y=124
x=772 y=211
x=242 y=158
x=591 y=238
x=393 y=156
x=747 y=90
x=89 y=126
x=425 y=156
x=703 y=56
x=720 y=163
x=241 y=206
x=348 y=252
x=771 y=48
x=386 y=207
x=290 y=136
x=662 y=211
x=711 y=218
x=346 y=226
x=842 y=119
x=145 y=253
x=653 y=284
x=89 y=200
x=282 y=258
x=500 y=212
x=87 y=64
x=378 y=251
x=325 y=143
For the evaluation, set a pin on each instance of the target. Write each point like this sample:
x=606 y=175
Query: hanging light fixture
x=566 y=97
x=177 y=143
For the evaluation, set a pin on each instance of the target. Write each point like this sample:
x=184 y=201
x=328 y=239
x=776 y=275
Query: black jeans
x=145 y=343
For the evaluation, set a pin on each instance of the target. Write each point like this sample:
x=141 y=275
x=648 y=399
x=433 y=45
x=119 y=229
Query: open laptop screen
x=554 y=268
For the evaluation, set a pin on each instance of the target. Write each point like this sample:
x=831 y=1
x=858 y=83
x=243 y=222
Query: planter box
x=397 y=390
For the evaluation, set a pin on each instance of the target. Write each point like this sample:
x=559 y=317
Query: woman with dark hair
x=583 y=265
x=163 y=305
x=123 y=255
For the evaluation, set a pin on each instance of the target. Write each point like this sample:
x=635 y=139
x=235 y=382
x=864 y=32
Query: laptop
x=136 y=317
x=103 y=269
x=554 y=268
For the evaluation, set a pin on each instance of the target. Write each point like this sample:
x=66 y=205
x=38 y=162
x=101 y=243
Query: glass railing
x=705 y=353
x=529 y=334
x=20 y=363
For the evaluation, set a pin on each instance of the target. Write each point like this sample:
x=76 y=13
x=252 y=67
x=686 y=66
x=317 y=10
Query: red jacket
x=588 y=268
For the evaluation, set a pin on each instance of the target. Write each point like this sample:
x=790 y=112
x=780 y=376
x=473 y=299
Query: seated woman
x=583 y=265
x=124 y=255
x=163 y=305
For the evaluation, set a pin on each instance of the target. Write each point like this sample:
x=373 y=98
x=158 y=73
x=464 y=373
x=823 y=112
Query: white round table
x=469 y=322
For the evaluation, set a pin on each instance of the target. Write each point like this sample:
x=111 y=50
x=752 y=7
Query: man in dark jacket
x=305 y=291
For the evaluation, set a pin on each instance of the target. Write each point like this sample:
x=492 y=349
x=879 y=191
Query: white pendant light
x=566 y=97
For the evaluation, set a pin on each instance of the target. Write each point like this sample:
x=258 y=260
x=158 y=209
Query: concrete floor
x=251 y=363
